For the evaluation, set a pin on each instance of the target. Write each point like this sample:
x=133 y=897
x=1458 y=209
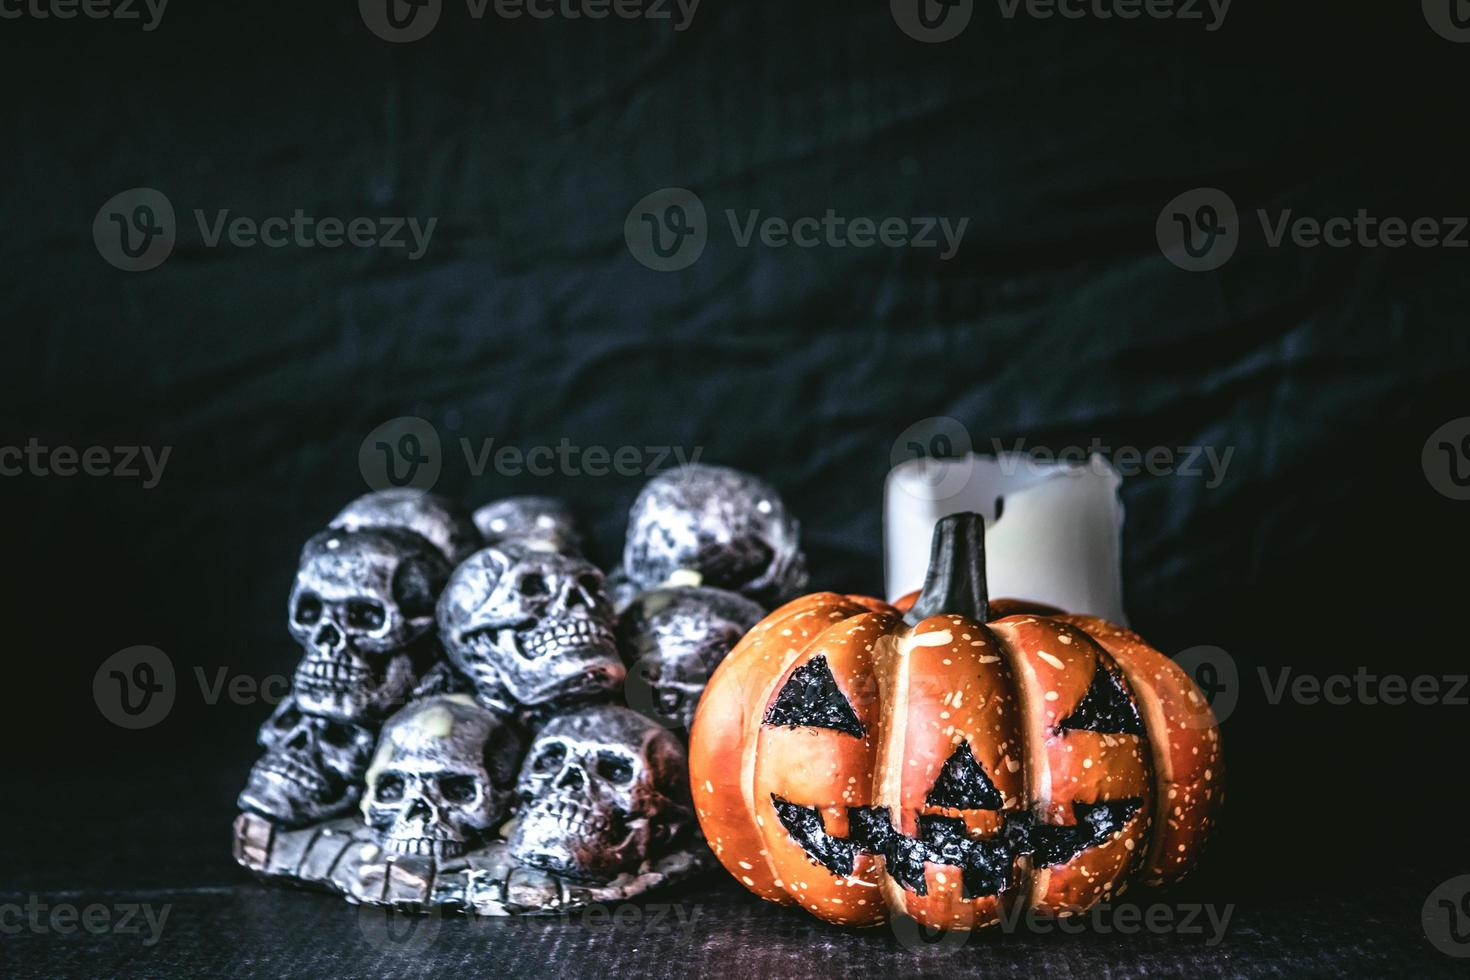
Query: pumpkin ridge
x=890 y=670
x=832 y=641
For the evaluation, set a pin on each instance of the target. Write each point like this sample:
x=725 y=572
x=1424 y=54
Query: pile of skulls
x=481 y=720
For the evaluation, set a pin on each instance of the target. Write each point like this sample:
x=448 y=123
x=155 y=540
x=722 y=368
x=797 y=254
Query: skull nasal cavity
x=328 y=636
x=570 y=779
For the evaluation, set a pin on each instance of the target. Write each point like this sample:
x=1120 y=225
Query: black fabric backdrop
x=528 y=321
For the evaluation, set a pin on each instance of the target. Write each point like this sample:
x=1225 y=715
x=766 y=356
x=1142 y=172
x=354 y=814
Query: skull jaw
x=359 y=695
x=578 y=842
x=572 y=674
x=284 y=790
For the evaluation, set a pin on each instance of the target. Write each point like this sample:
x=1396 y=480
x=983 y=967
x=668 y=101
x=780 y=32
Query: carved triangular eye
x=1105 y=708
x=963 y=784
x=811 y=699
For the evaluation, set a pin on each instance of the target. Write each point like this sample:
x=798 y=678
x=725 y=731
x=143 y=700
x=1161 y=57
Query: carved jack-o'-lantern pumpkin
x=948 y=766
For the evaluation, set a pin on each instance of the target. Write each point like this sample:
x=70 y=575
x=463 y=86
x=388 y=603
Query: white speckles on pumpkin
x=1051 y=659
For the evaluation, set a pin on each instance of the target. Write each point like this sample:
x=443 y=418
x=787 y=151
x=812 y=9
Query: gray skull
x=312 y=768
x=673 y=639
x=600 y=790
x=539 y=523
x=532 y=625
x=363 y=610
x=441 y=778
x=711 y=525
x=445 y=524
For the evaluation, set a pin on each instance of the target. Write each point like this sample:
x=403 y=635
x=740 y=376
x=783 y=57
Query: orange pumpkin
x=944 y=765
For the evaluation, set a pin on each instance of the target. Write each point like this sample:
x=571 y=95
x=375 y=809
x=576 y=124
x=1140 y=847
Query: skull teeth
x=293 y=771
x=321 y=672
x=561 y=636
x=441 y=847
x=573 y=816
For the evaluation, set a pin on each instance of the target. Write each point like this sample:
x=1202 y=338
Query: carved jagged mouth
x=986 y=865
x=532 y=642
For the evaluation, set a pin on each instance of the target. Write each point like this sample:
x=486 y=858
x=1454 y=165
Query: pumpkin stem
x=955 y=581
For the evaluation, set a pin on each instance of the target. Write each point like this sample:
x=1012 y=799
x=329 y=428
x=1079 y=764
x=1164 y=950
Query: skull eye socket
x=366 y=614
x=550 y=758
x=614 y=768
x=336 y=734
x=532 y=584
x=590 y=584
x=389 y=788
x=308 y=609
x=286 y=719
x=458 y=789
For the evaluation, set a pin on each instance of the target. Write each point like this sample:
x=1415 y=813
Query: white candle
x=1057 y=536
